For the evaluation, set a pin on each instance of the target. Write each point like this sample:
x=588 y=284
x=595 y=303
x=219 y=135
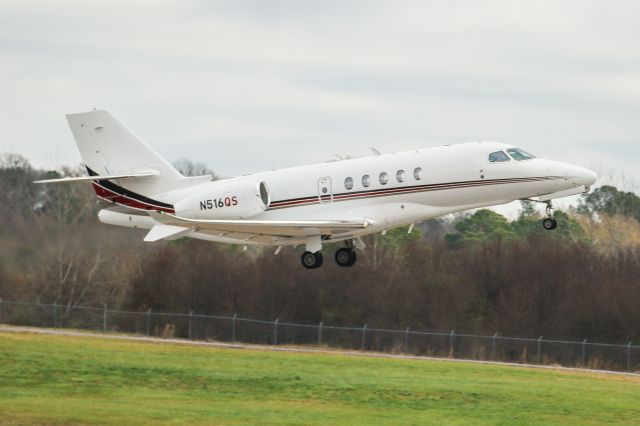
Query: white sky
x=246 y=86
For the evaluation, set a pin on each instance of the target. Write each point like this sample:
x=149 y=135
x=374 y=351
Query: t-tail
x=122 y=167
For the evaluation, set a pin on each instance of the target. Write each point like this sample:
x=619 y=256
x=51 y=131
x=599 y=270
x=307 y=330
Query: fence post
x=629 y=356
x=320 y=333
x=0 y=310
x=364 y=333
x=149 y=322
x=55 y=314
x=190 y=316
x=453 y=332
x=233 y=328
x=493 y=346
x=540 y=350
x=584 y=352
x=406 y=340
x=104 y=318
x=275 y=331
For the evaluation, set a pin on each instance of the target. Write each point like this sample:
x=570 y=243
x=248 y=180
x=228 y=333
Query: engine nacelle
x=234 y=200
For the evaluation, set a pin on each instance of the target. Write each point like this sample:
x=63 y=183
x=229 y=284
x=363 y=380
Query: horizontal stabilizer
x=104 y=177
x=160 y=232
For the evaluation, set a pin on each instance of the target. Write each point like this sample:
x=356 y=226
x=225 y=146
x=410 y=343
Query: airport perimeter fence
x=581 y=354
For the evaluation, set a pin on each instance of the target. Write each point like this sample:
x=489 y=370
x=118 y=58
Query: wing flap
x=273 y=228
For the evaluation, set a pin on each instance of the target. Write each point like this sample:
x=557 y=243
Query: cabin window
x=384 y=178
x=417 y=173
x=366 y=180
x=400 y=176
x=520 y=154
x=498 y=157
x=348 y=183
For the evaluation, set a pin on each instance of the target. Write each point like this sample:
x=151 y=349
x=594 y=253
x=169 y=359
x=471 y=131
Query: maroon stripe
x=405 y=190
x=377 y=193
x=295 y=201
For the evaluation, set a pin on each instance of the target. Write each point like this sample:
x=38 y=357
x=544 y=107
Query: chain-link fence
x=583 y=354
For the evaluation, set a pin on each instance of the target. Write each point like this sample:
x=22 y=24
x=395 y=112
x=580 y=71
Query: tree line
x=475 y=273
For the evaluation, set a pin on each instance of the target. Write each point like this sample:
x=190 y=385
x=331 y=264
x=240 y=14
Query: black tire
x=549 y=224
x=353 y=258
x=318 y=260
x=311 y=260
x=345 y=257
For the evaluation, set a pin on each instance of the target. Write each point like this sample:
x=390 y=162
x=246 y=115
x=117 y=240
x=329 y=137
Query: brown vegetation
x=493 y=276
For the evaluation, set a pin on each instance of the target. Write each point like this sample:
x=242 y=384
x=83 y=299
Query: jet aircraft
x=338 y=201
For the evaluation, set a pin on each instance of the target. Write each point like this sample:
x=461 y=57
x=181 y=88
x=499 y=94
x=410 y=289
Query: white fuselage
x=449 y=179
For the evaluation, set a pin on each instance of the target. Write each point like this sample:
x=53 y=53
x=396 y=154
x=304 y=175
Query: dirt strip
x=223 y=345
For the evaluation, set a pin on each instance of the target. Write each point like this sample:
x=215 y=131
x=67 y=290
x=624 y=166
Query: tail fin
x=108 y=148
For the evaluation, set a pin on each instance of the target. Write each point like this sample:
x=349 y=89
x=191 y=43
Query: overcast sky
x=252 y=85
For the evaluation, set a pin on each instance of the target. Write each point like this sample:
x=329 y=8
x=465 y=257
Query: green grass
x=77 y=380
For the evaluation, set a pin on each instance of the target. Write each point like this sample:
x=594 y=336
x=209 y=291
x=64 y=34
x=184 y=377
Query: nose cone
x=585 y=177
x=571 y=176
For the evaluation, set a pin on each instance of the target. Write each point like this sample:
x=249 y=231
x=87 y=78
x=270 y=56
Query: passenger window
x=348 y=183
x=400 y=176
x=498 y=157
x=384 y=178
x=366 y=180
x=417 y=173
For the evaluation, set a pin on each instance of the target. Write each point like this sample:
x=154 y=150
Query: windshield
x=520 y=154
x=498 y=157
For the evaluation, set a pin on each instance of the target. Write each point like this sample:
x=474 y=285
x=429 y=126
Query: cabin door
x=325 y=194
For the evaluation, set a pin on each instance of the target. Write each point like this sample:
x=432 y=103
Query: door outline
x=327 y=195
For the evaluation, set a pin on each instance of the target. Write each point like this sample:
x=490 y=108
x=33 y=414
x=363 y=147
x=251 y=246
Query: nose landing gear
x=549 y=223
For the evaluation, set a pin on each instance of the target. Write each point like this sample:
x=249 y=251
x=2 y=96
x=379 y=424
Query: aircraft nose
x=585 y=177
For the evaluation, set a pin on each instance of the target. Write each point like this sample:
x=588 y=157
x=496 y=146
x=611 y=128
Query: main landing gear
x=311 y=260
x=345 y=257
x=549 y=223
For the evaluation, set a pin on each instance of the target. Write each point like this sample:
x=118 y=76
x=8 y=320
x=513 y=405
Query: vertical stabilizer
x=108 y=147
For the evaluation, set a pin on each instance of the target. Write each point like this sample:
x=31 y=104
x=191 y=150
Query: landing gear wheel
x=311 y=260
x=549 y=224
x=346 y=256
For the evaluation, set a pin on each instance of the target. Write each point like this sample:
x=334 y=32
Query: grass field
x=83 y=380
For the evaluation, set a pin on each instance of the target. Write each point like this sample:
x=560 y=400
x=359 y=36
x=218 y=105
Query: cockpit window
x=498 y=157
x=520 y=154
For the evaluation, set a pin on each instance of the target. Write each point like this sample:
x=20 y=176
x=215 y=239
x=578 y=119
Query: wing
x=254 y=230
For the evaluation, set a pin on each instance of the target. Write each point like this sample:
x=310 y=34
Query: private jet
x=337 y=201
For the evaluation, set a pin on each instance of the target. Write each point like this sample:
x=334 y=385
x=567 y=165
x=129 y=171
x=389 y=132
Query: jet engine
x=233 y=200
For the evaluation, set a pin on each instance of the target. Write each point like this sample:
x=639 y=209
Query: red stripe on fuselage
x=406 y=190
